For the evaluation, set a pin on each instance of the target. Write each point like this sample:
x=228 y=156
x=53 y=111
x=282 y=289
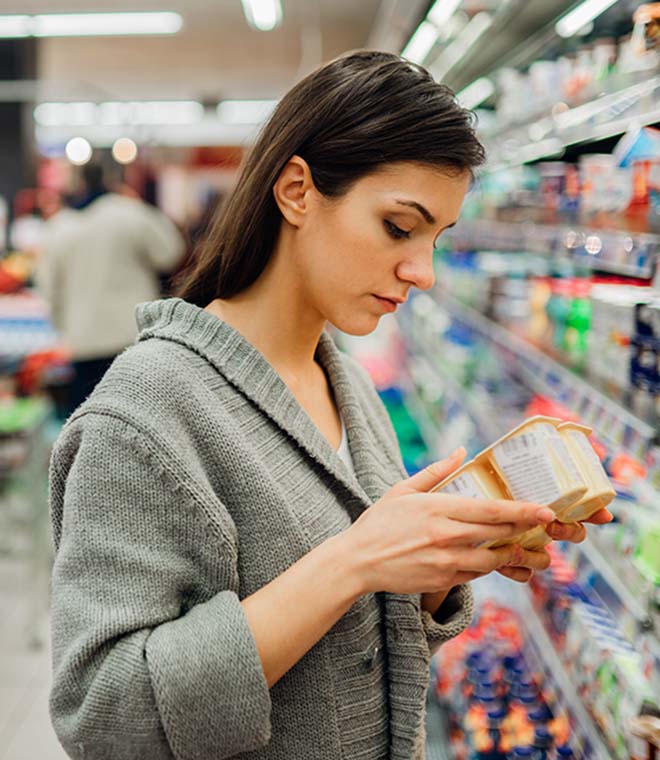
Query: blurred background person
x=96 y=267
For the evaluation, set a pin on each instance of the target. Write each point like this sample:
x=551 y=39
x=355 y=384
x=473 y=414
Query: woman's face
x=360 y=255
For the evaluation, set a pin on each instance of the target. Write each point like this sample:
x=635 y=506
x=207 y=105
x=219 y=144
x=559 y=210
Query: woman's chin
x=364 y=325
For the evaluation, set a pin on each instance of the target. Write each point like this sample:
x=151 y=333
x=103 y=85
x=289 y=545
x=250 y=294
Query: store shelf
x=477 y=411
x=605 y=116
x=630 y=254
x=633 y=616
x=607 y=572
x=545 y=650
x=614 y=424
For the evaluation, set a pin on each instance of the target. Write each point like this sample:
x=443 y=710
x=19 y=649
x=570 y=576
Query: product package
x=544 y=460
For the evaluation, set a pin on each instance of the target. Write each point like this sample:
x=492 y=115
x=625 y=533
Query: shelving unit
x=613 y=423
x=606 y=115
x=634 y=617
x=556 y=673
x=629 y=254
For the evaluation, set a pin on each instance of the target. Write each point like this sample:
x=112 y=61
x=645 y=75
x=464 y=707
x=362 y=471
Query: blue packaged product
x=528 y=753
x=647 y=319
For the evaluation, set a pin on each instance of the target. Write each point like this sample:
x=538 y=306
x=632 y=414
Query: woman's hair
x=347 y=119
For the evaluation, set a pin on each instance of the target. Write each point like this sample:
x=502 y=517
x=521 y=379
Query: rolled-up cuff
x=209 y=683
x=453 y=617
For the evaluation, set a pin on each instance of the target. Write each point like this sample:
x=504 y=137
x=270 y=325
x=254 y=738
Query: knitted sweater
x=188 y=480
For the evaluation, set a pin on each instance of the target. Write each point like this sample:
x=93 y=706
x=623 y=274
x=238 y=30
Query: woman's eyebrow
x=423 y=211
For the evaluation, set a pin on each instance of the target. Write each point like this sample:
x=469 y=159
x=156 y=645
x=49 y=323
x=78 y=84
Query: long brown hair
x=345 y=119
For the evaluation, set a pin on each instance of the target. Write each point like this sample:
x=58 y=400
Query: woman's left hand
x=574 y=532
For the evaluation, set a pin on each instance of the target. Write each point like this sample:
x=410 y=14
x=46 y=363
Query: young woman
x=242 y=567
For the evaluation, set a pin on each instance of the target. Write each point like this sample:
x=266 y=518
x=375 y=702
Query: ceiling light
x=124 y=150
x=111 y=113
x=78 y=151
x=245 y=111
x=14 y=26
x=587 y=11
x=461 y=45
x=420 y=44
x=476 y=93
x=89 y=24
x=70 y=114
x=442 y=11
x=264 y=15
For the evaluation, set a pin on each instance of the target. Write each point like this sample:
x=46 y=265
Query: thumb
x=430 y=476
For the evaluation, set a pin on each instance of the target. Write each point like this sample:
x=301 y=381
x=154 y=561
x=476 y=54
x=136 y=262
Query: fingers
x=602 y=517
x=453 y=533
x=518 y=574
x=494 y=511
x=574 y=532
x=533 y=559
x=430 y=476
x=484 y=561
x=513 y=556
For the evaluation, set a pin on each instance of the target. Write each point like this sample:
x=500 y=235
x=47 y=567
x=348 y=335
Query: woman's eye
x=396 y=232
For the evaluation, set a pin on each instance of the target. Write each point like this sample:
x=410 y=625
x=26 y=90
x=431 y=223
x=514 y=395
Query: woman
x=242 y=568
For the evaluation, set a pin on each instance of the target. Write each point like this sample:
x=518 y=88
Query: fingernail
x=556 y=530
x=455 y=454
x=545 y=515
x=516 y=559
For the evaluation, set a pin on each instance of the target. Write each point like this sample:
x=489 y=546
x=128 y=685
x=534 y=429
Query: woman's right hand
x=412 y=541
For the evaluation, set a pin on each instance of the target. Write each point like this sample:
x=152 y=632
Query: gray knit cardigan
x=189 y=479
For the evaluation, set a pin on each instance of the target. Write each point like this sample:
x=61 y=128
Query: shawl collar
x=248 y=371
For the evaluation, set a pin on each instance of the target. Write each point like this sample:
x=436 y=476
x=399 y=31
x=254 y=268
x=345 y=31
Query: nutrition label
x=527 y=467
x=589 y=454
x=464 y=484
x=555 y=440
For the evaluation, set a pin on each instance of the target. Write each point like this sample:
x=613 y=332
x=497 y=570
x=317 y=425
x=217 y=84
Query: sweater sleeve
x=453 y=617
x=153 y=657
x=455 y=614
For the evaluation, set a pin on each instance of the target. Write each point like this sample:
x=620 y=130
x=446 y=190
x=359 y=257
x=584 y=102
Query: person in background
x=95 y=269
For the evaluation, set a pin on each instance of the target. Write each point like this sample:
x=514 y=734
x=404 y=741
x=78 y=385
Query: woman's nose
x=418 y=271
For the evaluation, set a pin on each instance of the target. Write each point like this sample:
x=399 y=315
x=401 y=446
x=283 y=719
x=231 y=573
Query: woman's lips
x=386 y=303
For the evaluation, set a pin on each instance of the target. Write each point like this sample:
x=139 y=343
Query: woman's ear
x=293 y=189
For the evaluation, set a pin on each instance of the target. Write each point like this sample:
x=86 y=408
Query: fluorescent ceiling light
x=476 y=93
x=73 y=114
x=245 y=111
x=587 y=11
x=89 y=24
x=264 y=15
x=461 y=45
x=420 y=44
x=442 y=11
x=119 y=113
x=14 y=26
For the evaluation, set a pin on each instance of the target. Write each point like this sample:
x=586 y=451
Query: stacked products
x=489 y=681
x=608 y=672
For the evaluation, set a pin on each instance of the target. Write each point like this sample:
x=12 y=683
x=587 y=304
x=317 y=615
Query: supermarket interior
x=124 y=128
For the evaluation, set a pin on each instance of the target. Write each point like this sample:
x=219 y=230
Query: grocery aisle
x=25 y=730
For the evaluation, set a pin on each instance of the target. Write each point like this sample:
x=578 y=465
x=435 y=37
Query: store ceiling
x=216 y=55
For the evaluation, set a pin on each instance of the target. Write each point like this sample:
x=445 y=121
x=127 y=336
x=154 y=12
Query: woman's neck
x=273 y=315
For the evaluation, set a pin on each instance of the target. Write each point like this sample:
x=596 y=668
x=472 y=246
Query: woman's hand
x=415 y=542
x=575 y=532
